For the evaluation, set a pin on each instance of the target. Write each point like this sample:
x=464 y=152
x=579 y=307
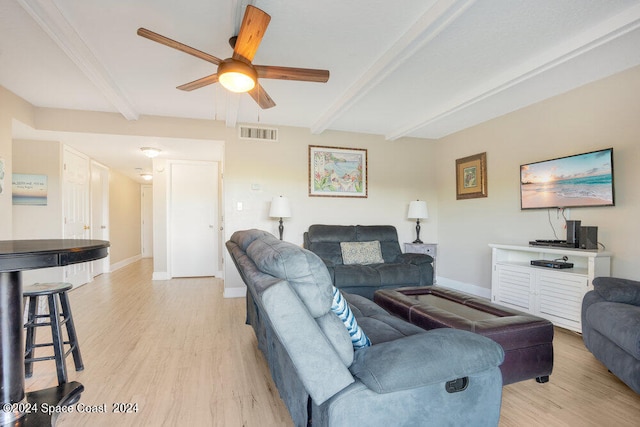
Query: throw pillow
x=361 y=252
x=341 y=308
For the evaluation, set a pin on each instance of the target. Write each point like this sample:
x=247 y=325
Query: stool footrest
x=59 y=316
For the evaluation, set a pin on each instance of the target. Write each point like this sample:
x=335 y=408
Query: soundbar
x=553 y=243
x=551 y=263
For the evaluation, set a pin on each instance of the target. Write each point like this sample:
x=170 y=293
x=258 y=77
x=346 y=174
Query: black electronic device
x=551 y=263
x=554 y=243
x=589 y=237
x=573 y=233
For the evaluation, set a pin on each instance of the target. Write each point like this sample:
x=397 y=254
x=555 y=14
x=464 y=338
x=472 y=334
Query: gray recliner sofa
x=611 y=326
x=398 y=269
x=408 y=376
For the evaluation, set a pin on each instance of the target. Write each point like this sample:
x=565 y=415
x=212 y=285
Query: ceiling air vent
x=258 y=133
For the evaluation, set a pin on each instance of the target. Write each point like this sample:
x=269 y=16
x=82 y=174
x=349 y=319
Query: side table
x=424 y=248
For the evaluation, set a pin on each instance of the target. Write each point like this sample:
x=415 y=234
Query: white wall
x=599 y=115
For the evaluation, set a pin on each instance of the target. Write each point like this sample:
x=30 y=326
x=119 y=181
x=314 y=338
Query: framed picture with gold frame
x=471 y=177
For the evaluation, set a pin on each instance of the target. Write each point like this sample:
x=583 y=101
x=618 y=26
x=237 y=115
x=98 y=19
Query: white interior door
x=75 y=205
x=147 y=221
x=194 y=219
x=100 y=211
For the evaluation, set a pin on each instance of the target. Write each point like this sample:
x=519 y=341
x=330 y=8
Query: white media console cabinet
x=554 y=294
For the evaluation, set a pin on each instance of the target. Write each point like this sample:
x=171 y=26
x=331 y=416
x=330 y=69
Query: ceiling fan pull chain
x=258 y=108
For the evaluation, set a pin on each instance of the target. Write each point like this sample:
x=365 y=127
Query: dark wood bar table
x=36 y=408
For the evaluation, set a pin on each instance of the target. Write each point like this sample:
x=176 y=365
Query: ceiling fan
x=237 y=73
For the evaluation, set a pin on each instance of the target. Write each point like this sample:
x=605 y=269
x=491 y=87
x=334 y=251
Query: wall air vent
x=256 y=133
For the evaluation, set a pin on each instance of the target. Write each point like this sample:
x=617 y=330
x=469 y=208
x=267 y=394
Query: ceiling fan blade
x=197 y=84
x=289 y=73
x=143 y=32
x=254 y=24
x=261 y=97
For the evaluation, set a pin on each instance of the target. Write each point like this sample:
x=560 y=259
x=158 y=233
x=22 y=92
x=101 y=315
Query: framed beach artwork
x=29 y=189
x=471 y=177
x=337 y=172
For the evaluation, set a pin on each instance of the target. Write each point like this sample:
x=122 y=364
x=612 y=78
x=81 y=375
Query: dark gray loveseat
x=611 y=326
x=407 y=377
x=398 y=269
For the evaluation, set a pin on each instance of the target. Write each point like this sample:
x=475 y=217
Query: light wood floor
x=183 y=354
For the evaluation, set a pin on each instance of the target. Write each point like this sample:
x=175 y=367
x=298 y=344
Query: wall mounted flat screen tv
x=574 y=181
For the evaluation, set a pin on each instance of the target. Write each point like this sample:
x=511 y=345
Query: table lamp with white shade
x=280 y=208
x=418 y=211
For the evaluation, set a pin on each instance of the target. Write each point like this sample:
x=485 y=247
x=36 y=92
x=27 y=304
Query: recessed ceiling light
x=150 y=152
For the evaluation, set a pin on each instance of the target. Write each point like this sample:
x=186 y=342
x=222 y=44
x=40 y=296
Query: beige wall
x=124 y=218
x=11 y=107
x=41 y=158
x=254 y=172
x=600 y=115
x=398 y=172
x=39 y=222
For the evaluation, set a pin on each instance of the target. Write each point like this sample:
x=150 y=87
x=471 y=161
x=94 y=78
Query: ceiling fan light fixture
x=237 y=76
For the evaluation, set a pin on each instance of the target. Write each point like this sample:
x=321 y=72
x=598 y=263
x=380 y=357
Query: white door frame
x=100 y=212
x=76 y=209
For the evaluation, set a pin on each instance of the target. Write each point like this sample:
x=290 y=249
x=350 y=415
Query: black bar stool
x=57 y=318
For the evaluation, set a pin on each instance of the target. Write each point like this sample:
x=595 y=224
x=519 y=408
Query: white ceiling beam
x=605 y=32
x=53 y=22
x=431 y=23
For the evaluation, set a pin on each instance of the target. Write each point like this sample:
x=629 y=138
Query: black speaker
x=589 y=237
x=573 y=233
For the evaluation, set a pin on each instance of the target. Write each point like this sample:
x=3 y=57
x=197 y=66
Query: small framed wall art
x=337 y=172
x=29 y=189
x=471 y=177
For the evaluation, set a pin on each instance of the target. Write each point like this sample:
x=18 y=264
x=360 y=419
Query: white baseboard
x=476 y=290
x=125 y=262
x=235 y=292
x=160 y=275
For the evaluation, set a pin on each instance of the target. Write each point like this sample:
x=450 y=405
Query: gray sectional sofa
x=611 y=326
x=407 y=376
x=397 y=269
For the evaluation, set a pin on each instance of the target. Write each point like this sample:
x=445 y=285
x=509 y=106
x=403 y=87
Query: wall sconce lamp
x=280 y=208
x=150 y=152
x=418 y=211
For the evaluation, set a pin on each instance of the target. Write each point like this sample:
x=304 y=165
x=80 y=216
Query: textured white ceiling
x=421 y=68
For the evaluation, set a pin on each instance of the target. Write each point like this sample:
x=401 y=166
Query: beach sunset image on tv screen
x=580 y=180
